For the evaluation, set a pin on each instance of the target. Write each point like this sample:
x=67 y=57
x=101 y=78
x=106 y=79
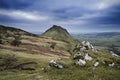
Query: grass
x=44 y=72
x=84 y=73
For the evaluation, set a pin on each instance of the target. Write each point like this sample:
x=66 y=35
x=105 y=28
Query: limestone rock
x=87 y=57
x=96 y=64
x=54 y=64
x=80 y=62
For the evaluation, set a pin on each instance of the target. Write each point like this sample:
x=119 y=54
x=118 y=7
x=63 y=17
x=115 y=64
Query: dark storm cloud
x=107 y=16
x=15 y=4
x=79 y=15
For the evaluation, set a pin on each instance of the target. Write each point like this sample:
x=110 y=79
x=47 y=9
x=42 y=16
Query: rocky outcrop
x=85 y=45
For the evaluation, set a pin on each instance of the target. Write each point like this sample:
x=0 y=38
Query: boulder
x=53 y=63
x=60 y=66
x=78 y=55
x=80 y=62
x=88 y=44
x=85 y=45
x=82 y=48
x=96 y=64
x=87 y=57
x=111 y=65
x=113 y=54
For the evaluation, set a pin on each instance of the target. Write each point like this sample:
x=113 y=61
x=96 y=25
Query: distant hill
x=105 y=39
x=108 y=34
x=9 y=35
x=59 y=33
x=6 y=30
x=102 y=34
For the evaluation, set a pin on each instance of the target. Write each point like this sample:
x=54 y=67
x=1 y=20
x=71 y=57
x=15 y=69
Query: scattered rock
x=56 y=65
x=96 y=64
x=80 y=62
x=111 y=65
x=113 y=54
x=82 y=48
x=78 y=56
x=52 y=62
x=87 y=57
x=85 y=45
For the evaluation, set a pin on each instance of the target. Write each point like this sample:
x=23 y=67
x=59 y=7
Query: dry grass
x=38 y=45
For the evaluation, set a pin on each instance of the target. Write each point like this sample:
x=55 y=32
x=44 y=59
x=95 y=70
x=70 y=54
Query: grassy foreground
x=44 y=72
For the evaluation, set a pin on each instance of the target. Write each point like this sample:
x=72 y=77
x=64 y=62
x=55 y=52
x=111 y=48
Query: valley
x=103 y=40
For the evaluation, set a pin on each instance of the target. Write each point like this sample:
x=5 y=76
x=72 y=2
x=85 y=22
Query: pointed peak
x=58 y=27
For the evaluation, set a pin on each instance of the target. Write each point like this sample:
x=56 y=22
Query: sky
x=77 y=16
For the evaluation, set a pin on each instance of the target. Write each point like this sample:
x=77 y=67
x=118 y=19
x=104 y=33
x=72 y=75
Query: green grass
x=70 y=72
x=84 y=73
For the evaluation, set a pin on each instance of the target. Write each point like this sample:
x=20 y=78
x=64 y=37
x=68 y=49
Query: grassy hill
x=30 y=60
x=8 y=34
x=10 y=31
x=30 y=43
x=60 y=34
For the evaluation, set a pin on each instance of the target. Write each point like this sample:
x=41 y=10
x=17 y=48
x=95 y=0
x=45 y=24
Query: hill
x=15 y=39
x=100 y=39
x=13 y=31
x=30 y=60
x=8 y=35
x=60 y=34
x=105 y=40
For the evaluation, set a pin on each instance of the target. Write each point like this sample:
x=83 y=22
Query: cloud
x=17 y=14
x=73 y=14
x=15 y=4
x=107 y=3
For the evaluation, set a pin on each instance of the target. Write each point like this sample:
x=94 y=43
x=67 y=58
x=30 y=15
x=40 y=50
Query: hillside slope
x=30 y=61
x=30 y=43
x=60 y=34
x=13 y=31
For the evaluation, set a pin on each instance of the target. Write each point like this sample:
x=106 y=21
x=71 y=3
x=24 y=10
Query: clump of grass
x=9 y=61
x=16 y=41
